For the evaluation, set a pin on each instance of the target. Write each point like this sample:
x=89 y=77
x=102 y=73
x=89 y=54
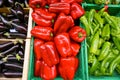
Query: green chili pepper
x=106 y=32
x=116 y=42
x=96 y=28
x=94 y=66
x=101 y=41
x=118 y=68
x=111 y=21
x=106 y=62
x=114 y=63
x=88 y=28
x=104 y=51
x=115 y=51
x=94 y=43
x=99 y=20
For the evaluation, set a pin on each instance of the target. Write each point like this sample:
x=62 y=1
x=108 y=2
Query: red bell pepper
x=68 y=67
x=40 y=20
x=63 y=23
x=52 y=1
x=44 y=33
x=37 y=67
x=79 y=1
x=76 y=11
x=68 y=1
x=49 y=53
x=72 y=1
x=37 y=44
x=45 y=14
x=62 y=42
x=75 y=47
x=77 y=33
x=48 y=73
x=37 y=3
x=60 y=7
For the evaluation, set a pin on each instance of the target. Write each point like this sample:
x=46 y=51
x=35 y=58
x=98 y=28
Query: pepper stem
x=37 y=6
x=47 y=6
x=80 y=34
x=52 y=21
x=51 y=34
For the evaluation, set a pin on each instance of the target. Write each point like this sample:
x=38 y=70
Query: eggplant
x=1 y=34
x=9 y=51
x=1 y=3
x=13 y=66
x=12 y=74
x=15 y=20
x=1 y=66
x=26 y=16
x=13 y=12
x=5 y=21
x=11 y=3
x=1 y=23
x=19 y=27
x=10 y=16
x=26 y=3
x=6 y=45
x=16 y=59
x=19 y=12
x=3 y=28
x=12 y=35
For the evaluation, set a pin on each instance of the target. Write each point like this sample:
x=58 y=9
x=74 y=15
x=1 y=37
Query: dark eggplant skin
x=13 y=66
x=1 y=66
x=3 y=28
x=5 y=21
x=19 y=27
x=1 y=3
x=11 y=3
x=12 y=74
x=1 y=34
x=12 y=35
x=13 y=11
x=10 y=16
x=9 y=51
x=15 y=20
x=6 y=45
x=19 y=12
x=14 y=59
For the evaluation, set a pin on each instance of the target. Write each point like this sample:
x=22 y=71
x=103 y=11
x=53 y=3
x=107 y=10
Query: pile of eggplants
x=11 y=3
x=12 y=58
x=14 y=24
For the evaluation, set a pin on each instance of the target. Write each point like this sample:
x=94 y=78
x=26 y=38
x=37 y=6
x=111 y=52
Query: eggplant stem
x=18 y=57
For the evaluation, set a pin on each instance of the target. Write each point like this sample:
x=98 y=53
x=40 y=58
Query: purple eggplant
x=12 y=74
x=5 y=21
x=1 y=3
x=6 y=45
x=9 y=51
x=13 y=66
x=12 y=35
x=20 y=28
x=11 y=3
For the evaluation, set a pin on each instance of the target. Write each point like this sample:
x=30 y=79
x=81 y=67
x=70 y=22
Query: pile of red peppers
x=57 y=37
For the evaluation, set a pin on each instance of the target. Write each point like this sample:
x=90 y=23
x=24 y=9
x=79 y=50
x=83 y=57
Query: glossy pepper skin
x=37 y=67
x=62 y=42
x=71 y=1
x=77 y=33
x=37 y=44
x=48 y=73
x=44 y=33
x=67 y=67
x=49 y=53
x=75 y=47
x=60 y=7
x=63 y=23
x=76 y=11
x=37 y=3
x=45 y=14
x=52 y=1
x=39 y=20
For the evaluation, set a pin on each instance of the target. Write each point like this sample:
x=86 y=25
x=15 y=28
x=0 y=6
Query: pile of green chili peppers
x=103 y=42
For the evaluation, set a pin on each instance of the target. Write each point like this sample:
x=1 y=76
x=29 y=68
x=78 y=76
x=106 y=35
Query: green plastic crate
x=115 y=11
x=80 y=74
